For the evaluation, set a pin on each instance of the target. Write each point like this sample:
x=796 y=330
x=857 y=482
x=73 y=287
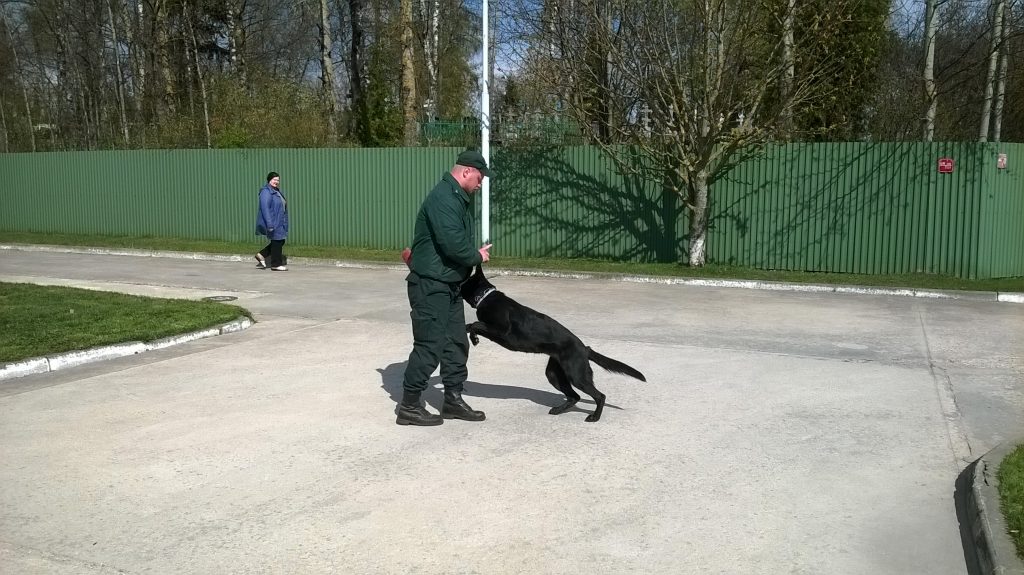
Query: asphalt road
x=778 y=432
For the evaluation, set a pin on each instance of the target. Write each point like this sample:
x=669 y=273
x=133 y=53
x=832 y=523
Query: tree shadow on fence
x=839 y=207
x=553 y=207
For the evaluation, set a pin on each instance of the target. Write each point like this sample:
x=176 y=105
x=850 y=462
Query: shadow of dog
x=392 y=376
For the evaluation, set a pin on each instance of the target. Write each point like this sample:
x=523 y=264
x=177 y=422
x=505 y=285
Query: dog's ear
x=479 y=270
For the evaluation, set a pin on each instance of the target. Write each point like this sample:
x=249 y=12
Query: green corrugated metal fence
x=857 y=207
x=354 y=197
x=843 y=207
x=1001 y=221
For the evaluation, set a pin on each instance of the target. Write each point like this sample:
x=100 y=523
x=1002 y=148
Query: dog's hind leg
x=556 y=376
x=583 y=378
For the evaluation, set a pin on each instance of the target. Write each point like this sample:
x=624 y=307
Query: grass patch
x=42 y=320
x=922 y=281
x=1011 y=494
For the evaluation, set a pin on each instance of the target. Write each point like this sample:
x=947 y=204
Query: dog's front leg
x=478 y=328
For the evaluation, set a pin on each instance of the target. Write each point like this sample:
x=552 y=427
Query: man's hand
x=485 y=253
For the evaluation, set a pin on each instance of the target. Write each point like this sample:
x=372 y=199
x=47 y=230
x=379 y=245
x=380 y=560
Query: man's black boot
x=456 y=408
x=411 y=412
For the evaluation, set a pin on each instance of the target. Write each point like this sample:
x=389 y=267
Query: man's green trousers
x=439 y=334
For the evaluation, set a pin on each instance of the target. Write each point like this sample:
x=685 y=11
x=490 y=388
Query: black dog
x=516 y=327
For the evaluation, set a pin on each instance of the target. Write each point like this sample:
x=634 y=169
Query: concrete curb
x=987 y=546
x=80 y=357
x=773 y=286
x=123 y=252
x=1005 y=297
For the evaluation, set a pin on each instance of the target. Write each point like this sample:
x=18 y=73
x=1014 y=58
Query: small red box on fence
x=945 y=165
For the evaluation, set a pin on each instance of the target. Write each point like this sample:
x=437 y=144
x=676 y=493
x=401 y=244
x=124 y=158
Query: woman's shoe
x=279 y=269
x=260 y=262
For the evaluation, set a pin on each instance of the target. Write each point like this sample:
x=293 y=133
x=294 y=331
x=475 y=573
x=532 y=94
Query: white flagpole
x=485 y=133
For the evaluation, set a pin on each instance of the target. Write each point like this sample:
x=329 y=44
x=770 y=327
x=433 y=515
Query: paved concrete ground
x=778 y=432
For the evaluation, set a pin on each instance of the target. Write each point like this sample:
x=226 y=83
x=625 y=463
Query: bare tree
x=689 y=85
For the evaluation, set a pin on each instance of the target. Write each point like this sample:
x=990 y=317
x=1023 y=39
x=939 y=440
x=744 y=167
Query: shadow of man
x=392 y=376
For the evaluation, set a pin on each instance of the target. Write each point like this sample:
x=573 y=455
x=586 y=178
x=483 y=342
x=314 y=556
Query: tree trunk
x=355 y=8
x=3 y=126
x=430 y=9
x=713 y=61
x=236 y=38
x=408 y=75
x=160 y=17
x=997 y=119
x=120 y=75
x=788 y=69
x=21 y=77
x=137 y=57
x=96 y=78
x=601 y=70
x=327 y=72
x=931 y=22
x=199 y=75
x=698 y=218
x=190 y=90
x=993 y=66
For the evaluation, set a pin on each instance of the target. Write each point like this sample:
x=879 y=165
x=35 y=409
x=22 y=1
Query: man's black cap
x=473 y=159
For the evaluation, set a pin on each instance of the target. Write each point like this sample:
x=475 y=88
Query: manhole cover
x=220 y=298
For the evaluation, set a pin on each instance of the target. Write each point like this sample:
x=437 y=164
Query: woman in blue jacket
x=272 y=221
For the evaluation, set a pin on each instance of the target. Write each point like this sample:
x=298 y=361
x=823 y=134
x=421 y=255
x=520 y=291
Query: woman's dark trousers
x=273 y=252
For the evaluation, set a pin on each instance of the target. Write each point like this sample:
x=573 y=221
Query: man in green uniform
x=442 y=258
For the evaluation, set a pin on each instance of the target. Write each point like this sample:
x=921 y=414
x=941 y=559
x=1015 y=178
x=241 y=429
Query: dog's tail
x=614 y=366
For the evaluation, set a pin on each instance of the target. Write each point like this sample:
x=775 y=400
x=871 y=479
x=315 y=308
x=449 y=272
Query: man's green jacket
x=442 y=242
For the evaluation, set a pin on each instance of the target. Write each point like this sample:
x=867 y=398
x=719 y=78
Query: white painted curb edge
x=81 y=357
x=744 y=284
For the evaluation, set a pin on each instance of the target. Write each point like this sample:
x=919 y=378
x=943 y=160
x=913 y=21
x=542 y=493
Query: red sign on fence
x=945 y=165
x=1001 y=162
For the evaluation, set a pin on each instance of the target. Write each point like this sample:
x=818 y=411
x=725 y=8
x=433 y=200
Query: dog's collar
x=481 y=298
